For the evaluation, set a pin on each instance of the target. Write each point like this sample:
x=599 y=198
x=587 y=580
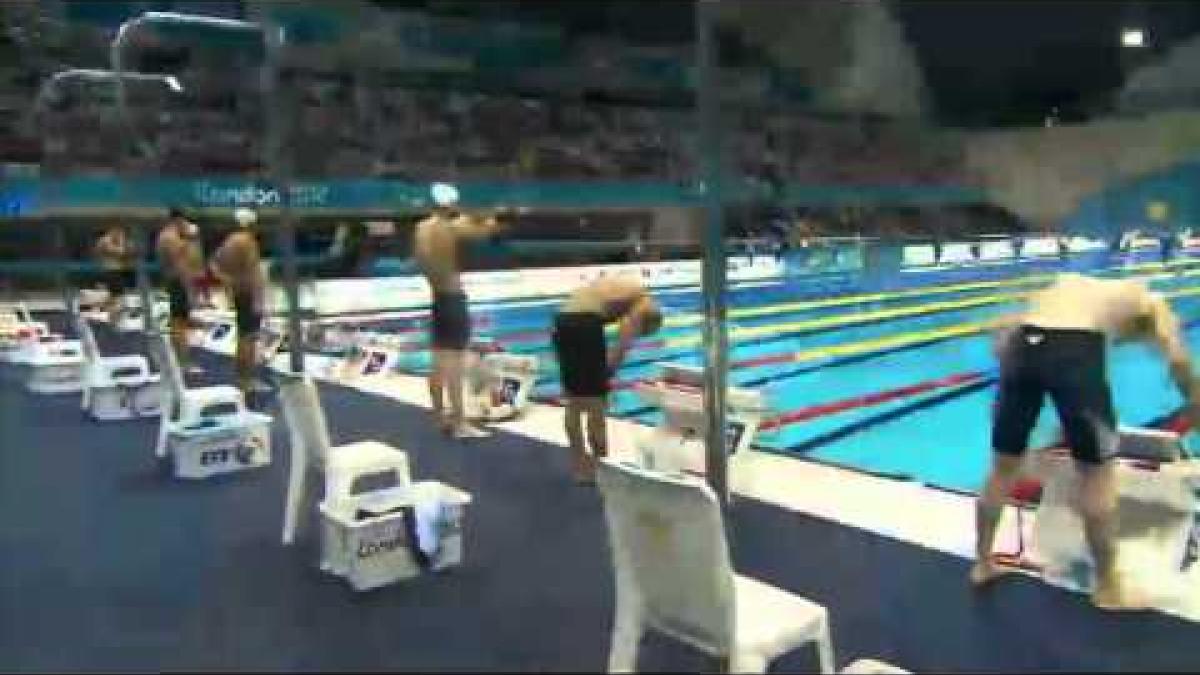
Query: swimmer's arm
x=1002 y=331
x=626 y=334
x=174 y=252
x=220 y=261
x=1168 y=337
x=477 y=227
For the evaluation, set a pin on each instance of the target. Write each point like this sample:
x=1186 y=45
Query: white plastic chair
x=101 y=371
x=340 y=465
x=182 y=406
x=673 y=575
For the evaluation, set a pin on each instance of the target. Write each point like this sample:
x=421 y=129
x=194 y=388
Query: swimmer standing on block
x=237 y=264
x=1057 y=347
x=116 y=255
x=585 y=364
x=182 y=262
x=436 y=246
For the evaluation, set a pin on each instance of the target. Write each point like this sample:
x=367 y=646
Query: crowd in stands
x=348 y=123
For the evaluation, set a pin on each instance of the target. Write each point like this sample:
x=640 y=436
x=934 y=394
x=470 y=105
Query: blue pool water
x=940 y=437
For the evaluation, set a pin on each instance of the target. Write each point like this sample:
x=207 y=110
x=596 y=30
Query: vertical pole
x=129 y=143
x=279 y=170
x=60 y=277
x=142 y=245
x=715 y=339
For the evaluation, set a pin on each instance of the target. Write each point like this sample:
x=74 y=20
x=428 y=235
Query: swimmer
x=182 y=262
x=237 y=264
x=1057 y=347
x=115 y=255
x=436 y=249
x=585 y=363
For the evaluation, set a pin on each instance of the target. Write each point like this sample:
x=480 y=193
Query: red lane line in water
x=833 y=407
x=767 y=360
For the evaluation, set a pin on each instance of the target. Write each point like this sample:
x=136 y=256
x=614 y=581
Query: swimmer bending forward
x=1058 y=347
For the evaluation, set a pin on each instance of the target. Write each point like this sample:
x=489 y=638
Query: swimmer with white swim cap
x=238 y=266
x=436 y=249
x=1058 y=347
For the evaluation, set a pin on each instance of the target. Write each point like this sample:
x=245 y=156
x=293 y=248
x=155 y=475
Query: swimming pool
x=898 y=380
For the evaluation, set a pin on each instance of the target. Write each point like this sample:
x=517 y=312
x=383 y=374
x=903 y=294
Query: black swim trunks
x=118 y=281
x=181 y=306
x=451 y=321
x=582 y=354
x=247 y=316
x=1069 y=365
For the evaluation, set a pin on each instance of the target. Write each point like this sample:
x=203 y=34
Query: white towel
x=428 y=507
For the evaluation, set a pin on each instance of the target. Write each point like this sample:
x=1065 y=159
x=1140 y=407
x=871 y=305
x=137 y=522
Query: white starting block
x=116 y=387
x=52 y=365
x=375 y=536
x=677 y=443
x=18 y=331
x=90 y=303
x=498 y=386
x=207 y=430
x=216 y=330
x=1156 y=512
x=129 y=314
x=370 y=362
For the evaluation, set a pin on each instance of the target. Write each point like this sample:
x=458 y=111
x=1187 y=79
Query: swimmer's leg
x=988 y=508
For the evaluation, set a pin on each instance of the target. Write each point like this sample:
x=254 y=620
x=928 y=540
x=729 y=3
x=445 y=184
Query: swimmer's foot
x=983 y=573
x=584 y=471
x=467 y=431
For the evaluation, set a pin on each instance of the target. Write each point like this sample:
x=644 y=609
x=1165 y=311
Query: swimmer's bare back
x=1077 y=302
x=435 y=249
x=181 y=256
x=611 y=298
x=436 y=244
x=239 y=264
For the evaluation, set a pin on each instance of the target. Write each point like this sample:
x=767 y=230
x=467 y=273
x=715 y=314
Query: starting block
x=1156 y=514
x=116 y=387
x=677 y=443
x=90 y=303
x=52 y=365
x=375 y=536
x=498 y=386
x=370 y=361
x=130 y=317
x=18 y=331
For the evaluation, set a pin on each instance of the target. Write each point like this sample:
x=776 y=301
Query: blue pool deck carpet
x=106 y=564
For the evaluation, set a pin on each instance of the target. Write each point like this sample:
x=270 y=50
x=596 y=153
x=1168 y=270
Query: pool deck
x=907 y=511
x=133 y=571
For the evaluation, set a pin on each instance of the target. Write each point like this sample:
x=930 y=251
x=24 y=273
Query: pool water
x=812 y=342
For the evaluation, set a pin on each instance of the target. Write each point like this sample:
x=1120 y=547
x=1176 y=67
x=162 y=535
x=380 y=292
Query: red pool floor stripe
x=833 y=407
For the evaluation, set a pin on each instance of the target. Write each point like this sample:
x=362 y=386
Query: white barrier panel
x=350 y=295
x=996 y=250
x=957 y=252
x=1080 y=245
x=918 y=256
x=1040 y=246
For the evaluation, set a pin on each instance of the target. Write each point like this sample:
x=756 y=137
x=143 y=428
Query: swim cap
x=245 y=217
x=444 y=194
